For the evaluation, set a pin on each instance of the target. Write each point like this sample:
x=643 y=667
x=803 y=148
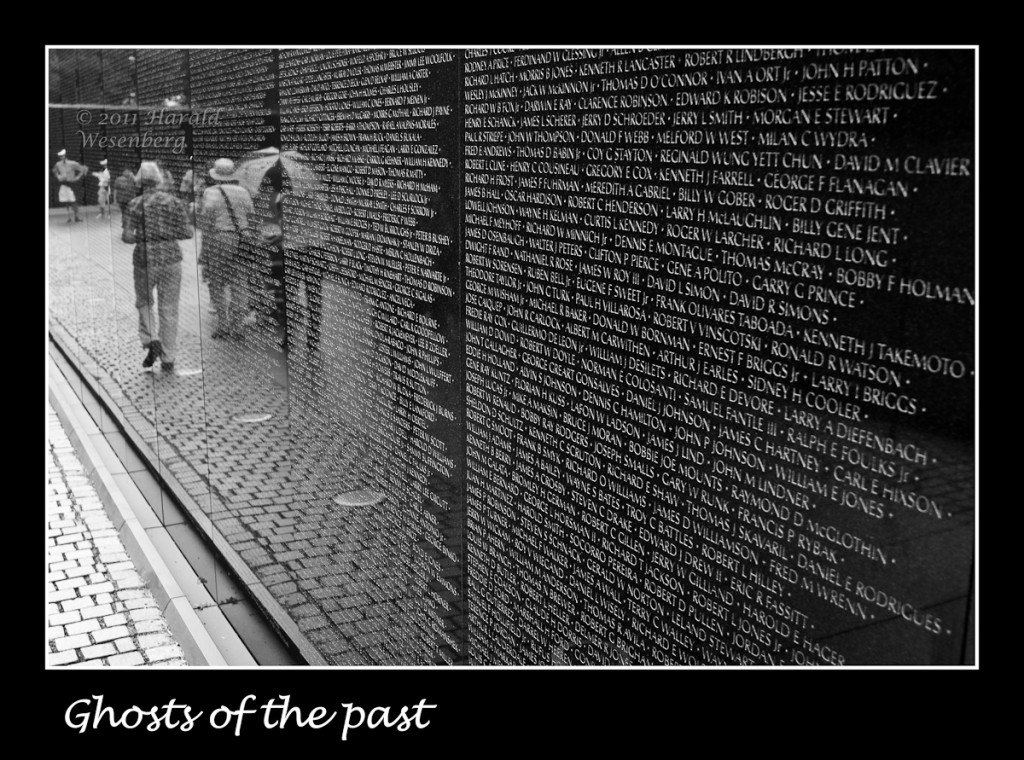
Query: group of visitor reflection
x=238 y=211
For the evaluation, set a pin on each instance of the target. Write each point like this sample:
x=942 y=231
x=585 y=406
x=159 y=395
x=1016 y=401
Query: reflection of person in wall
x=269 y=293
x=224 y=218
x=305 y=263
x=287 y=199
x=156 y=222
x=191 y=189
x=103 y=177
x=124 y=190
x=284 y=238
x=67 y=173
x=169 y=183
x=271 y=237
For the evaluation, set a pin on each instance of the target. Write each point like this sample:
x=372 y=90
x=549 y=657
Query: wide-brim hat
x=223 y=170
x=149 y=173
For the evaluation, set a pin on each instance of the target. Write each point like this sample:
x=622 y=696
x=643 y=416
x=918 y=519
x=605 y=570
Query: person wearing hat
x=103 y=177
x=156 y=222
x=66 y=172
x=224 y=221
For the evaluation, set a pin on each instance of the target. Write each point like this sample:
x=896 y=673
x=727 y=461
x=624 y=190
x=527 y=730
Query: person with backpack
x=224 y=221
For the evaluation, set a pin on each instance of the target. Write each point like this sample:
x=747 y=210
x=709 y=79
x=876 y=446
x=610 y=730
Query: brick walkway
x=99 y=611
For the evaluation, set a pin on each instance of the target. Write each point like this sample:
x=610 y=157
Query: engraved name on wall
x=719 y=361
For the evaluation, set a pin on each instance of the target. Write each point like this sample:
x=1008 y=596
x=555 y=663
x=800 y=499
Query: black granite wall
x=598 y=356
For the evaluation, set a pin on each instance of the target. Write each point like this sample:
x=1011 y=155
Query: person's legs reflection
x=168 y=298
x=218 y=274
x=144 y=305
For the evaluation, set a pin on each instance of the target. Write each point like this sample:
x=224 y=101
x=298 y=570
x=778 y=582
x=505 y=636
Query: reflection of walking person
x=156 y=221
x=66 y=173
x=124 y=190
x=192 y=186
x=226 y=209
x=103 y=177
x=271 y=235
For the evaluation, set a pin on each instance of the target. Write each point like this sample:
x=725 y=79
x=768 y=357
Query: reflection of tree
x=117 y=68
x=60 y=69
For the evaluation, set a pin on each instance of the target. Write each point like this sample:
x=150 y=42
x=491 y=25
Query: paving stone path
x=99 y=611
